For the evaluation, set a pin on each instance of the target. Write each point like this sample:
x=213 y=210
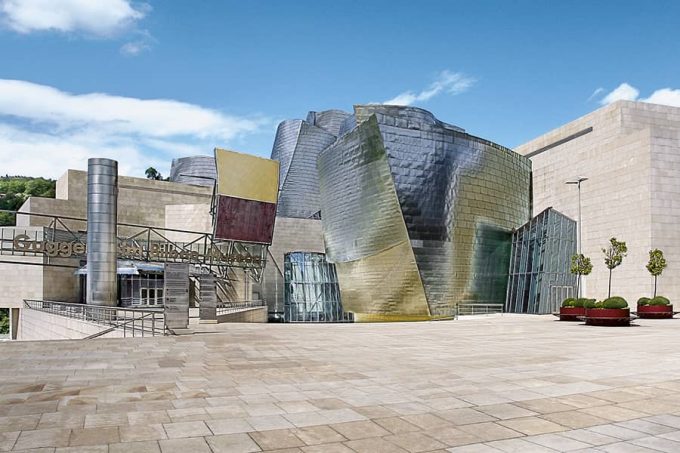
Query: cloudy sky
x=143 y=82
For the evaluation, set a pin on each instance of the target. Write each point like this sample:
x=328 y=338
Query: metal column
x=102 y=243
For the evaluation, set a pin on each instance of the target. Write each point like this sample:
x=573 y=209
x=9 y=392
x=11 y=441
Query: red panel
x=244 y=220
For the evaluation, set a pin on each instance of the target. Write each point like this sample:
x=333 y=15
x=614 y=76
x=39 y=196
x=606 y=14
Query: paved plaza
x=484 y=384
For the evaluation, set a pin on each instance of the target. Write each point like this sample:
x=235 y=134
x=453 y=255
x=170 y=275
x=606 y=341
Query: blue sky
x=143 y=82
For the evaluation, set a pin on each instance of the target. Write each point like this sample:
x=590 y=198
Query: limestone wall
x=632 y=161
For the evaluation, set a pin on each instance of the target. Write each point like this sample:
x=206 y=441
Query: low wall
x=39 y=325
x=258 y=314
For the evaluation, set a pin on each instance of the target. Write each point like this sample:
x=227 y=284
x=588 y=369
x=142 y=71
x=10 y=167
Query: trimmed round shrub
x=599 y=304
x=589 y=303
x=581 y=302
x=569 y=302
x=659 y=300
x=615 y=302
x=643 y=301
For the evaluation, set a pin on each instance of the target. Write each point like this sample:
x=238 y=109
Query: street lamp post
x=578 y=182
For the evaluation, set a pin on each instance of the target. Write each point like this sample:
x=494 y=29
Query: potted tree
x=612 y=311
x=580 y=265
x=613 y=257
x=657 y=306
x=573 y=309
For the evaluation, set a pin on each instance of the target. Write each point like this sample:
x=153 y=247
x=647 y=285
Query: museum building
x=382 y=214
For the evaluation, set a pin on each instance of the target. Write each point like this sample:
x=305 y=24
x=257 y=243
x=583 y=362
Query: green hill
x=15 y=190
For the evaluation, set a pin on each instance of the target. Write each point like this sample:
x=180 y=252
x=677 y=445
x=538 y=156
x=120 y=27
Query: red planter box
x=572 y=313
x=608 y=316
x=655 y=311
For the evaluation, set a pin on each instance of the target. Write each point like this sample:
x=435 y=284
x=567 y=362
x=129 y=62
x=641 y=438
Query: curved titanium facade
x=297 y=146
x=184 y=168
x=417 y=214
x=329 y=120
x=102 y=243
x=311 y=291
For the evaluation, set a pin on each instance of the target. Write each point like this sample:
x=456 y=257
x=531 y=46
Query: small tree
x=613 y=257
x=657 y=263
x=580 y=265
x=152 y=173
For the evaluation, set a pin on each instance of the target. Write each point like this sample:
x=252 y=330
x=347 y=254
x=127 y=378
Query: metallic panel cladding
x=364 y=230
x=459 y=197
x=102 y=243
x=184 y=168
x=297 y=146
x=246 y=176
x=299 y=194
x=329 y=120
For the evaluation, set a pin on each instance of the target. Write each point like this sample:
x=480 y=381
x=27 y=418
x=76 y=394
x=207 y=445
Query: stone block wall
x=632 y=161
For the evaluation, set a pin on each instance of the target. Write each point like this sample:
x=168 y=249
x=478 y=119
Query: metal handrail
x=143 y=321
x=230 y=307
x=479 y=309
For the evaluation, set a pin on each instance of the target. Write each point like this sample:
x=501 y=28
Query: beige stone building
x=630 y=153
x=143 y=202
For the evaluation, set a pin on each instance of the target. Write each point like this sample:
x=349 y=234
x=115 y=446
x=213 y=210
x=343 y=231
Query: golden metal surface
x=244 y=176
x=386 y=284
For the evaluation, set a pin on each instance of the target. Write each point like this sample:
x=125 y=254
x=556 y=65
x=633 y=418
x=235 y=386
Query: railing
x=232 y=307
x=131 y=322
x=479 y=309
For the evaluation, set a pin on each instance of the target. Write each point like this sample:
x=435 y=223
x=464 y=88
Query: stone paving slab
x=480 y=384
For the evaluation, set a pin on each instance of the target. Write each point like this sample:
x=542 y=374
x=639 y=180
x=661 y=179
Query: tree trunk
x=655 y=286
x=578 y=286
x=609 y=292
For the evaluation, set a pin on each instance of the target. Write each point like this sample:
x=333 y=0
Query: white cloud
x=96 y=17
x=44 y=131
x=595 y=94
x=665 y=96
x=626 y=92
x=447 y=82
x=141 y=44
x=623 y=92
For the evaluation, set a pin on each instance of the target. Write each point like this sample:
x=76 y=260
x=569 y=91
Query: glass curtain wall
x=311 y=290
x=539 y=265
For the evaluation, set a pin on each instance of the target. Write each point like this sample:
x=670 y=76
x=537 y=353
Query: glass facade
x=311 y=291
x=539 y=265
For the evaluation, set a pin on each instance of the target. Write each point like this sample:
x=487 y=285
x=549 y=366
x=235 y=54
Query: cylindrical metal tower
x=102 y=243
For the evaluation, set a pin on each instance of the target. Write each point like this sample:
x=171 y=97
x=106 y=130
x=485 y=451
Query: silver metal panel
x=329 y=120
x=184 y=169
x=459 y=197
x=297 y=146
x=102 y=213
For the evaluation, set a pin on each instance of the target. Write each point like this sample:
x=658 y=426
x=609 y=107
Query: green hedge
x=581 y=302
x=643 y=301
x=589 y=303
x=569 y=302
x=615 y=302
x=659 y=300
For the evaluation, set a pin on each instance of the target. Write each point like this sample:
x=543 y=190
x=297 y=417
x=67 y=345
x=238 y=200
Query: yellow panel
x=245 y=176
x=385 y=286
